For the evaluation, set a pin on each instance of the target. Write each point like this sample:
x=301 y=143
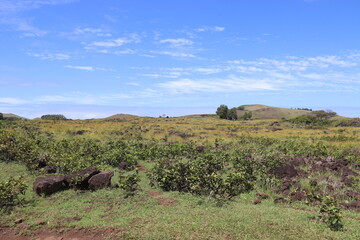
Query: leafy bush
x=330 y=214
x=201 y=176
x=11 y=191
x=129 y=182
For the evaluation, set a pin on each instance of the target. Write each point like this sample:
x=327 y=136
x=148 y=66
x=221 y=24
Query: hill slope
x=267 y=112
x=121 y=115
x=12 y=116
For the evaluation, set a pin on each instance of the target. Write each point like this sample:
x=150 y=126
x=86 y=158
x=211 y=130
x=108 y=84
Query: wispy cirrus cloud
x=230 y=84
x=50 y=56
x=86 y=68
x=177 y=42
x=132 y=38
x=11 y=15
x=11 y=101
x=176 y=54
x=207 y=28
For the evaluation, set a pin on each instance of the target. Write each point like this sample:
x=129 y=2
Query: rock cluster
x=88 y=179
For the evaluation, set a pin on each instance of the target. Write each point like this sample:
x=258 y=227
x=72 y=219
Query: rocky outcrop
x=80 y=179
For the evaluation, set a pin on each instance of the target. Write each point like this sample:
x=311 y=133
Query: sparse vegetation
x=218 y=169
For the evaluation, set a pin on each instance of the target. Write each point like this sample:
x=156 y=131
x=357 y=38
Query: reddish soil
x=141 y=168
x=53 y=234
x=162 y=201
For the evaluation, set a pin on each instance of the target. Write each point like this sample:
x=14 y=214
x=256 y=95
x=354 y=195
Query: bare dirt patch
x=59 y=234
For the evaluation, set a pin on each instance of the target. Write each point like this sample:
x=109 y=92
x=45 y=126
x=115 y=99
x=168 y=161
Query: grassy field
x=153 y=213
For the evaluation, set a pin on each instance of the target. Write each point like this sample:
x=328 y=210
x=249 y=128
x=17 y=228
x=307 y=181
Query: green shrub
x=11 y=191
x=129 y=182
x=53 y=117
x=330 y=214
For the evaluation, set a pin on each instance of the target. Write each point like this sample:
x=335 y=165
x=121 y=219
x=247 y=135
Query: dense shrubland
x=292 y=168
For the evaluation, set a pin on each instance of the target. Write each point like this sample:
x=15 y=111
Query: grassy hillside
x=292 y=165
x=267 y=112
x=121 y=115
x=13 y=116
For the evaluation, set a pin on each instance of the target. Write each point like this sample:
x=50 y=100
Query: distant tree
x=241 y=108
x=53 y=117
x=222 y=111
x=232 y=114
x=246 y=116
x=1 y=116
x=321 y=114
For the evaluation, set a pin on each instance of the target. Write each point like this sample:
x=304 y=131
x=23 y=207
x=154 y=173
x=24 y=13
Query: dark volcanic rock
x=80 y=179
x=354 y=205
x=279 y=200
x=297 y=196
x=285 y=171
x=50 y=169
x=200 y=149
x=49 y=185
x=124 y=166
x=100 y=180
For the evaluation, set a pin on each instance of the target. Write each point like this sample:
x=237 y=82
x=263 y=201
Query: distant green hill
x=13 y=116
x=120 y=115
x=267 y=112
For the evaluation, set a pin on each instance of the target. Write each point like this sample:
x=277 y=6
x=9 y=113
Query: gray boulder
x=49 y=185
x=100 y=180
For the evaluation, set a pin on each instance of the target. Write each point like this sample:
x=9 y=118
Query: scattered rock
x=49 y=185
x=40 y=223
x=355 y=195
x=50 y=169
x=313 y=183
x=297 y=196
x=261 y=195
x=124 y=166
x=80 y=179
x=280 y=200
x=100 y=180
x=20 y=220
x=354 y=205
x=285 y=171
x=200 y=149
x=256 y=202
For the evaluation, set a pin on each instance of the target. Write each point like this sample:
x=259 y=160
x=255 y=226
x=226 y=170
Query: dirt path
x=45 y=233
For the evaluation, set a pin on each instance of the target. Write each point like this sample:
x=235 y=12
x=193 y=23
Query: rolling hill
x=267 y=112
x=13 y=116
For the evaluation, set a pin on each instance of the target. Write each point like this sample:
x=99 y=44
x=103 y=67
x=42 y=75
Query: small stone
x=261 y=195
x=20 y=220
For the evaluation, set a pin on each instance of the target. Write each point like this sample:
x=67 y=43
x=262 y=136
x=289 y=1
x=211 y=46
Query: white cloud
x=10 y=10
x=207 y=28
x=133 y=38
x=179 y=42
x=87 y=68
x=12 y=101
x=175 y=54
x=132 y=84
x=231 y=84
x=126 y=51
x=50 y=56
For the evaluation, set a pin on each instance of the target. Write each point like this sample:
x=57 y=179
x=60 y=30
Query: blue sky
x=95 y=58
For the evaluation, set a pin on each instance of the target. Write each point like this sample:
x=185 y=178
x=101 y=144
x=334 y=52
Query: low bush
x=11 y=191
